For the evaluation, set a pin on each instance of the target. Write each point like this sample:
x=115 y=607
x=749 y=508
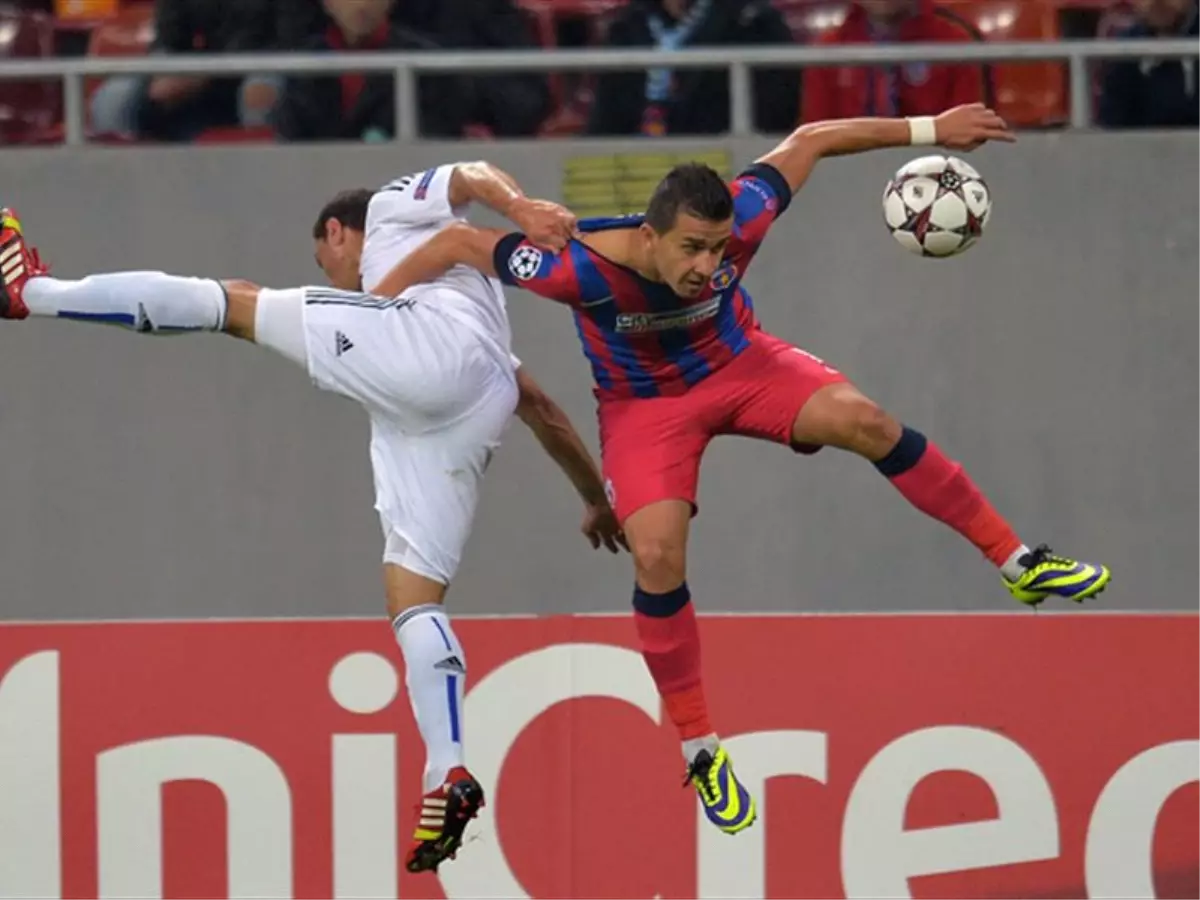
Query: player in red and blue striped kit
x=679 y=357
x=640 y=340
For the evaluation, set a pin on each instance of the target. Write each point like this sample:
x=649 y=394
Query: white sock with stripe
x=144 y=301
x=436 y=675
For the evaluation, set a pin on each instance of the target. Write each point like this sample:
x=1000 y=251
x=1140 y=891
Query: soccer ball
x=937 y=206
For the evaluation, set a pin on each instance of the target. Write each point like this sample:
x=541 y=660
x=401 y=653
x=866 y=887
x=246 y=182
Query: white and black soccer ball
x=937 y=206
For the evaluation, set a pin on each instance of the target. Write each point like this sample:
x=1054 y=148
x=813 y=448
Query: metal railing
x=738 y=60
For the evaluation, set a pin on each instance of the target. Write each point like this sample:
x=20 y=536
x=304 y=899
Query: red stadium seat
x=83 y=15
x=236 y=135
x=1027 y=94
x=29 y=110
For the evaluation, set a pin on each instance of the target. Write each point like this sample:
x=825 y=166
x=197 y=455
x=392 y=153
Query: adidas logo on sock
x=342 y=344
x=453 y=663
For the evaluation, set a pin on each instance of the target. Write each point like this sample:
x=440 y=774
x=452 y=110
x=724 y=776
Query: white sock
x=709 y=742
x=437 y=672
x=1012 y=568
x=144 y=301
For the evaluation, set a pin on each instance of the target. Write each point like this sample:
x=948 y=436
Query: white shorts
x=438 y=398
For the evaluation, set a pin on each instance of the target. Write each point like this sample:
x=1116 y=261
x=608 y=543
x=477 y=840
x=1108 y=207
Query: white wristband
x=922 y=131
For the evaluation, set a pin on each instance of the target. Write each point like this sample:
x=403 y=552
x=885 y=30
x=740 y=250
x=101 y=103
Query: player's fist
x=547 y=225
x=967 y=127
x=600 y=526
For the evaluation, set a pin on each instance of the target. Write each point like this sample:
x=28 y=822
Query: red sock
x=940 y=488
x=666 y=625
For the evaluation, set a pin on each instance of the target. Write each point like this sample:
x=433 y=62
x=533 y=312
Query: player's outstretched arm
x=961 y=128
x=457 y=244
x=546 y=224
x=562 y=442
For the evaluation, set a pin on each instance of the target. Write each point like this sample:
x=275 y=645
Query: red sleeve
x=548 y=274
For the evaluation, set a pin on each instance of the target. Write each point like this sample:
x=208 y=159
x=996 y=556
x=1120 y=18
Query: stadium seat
x=29 y=110
x=1027 y=94
x=236 y=135
x=83 y=14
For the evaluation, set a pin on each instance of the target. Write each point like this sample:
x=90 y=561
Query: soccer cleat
x=726 y=803
x=1047 y=575
x=18 y=263
x=441 y=819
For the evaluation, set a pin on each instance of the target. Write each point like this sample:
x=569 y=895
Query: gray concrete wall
x=197 y=476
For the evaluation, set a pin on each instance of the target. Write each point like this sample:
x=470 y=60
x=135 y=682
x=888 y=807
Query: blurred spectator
x=916 y=89
x=358 y=106
x=179 y=107
x=509 y=105
x=1153 y=93
x=692 y=101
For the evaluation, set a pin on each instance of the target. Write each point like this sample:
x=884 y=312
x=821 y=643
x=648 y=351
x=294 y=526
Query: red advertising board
x=923 y=755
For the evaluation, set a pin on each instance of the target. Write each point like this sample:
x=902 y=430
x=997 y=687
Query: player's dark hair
x=692 y=188
x=348 y=207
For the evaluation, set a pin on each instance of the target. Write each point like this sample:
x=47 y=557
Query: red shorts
x=652 y=447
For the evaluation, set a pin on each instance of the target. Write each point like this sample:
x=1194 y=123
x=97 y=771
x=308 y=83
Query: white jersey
x=404 y=215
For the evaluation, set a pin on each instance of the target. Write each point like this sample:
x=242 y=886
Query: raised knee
x=659 y=561
x=865 y=428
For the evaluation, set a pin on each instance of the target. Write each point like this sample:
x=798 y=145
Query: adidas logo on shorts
x=342 y=344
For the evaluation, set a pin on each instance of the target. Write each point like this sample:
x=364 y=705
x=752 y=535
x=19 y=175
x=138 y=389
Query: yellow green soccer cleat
x=1047 y=575
x=726 y=803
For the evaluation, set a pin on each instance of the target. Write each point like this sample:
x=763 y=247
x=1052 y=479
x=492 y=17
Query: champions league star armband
x=922 y=131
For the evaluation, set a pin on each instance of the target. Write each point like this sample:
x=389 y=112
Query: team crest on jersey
x=723 y=277
x=524 y=264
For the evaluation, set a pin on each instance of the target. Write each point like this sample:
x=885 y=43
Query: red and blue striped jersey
x=642 y=339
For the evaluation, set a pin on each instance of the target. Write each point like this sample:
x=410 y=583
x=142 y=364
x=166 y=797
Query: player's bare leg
x=157 y=303
x=434 y=660
x=838 y=415
x=436 y=672
x=666 y=625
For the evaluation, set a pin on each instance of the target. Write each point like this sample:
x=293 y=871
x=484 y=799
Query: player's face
x=338 y=254
x=687 y=256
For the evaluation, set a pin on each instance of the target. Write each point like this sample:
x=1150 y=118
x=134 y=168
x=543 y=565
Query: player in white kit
x=435 y=371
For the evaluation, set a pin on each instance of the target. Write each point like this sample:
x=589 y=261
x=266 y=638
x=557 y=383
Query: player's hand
x=547 y=225
x=967 y=127
x=600 y=526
